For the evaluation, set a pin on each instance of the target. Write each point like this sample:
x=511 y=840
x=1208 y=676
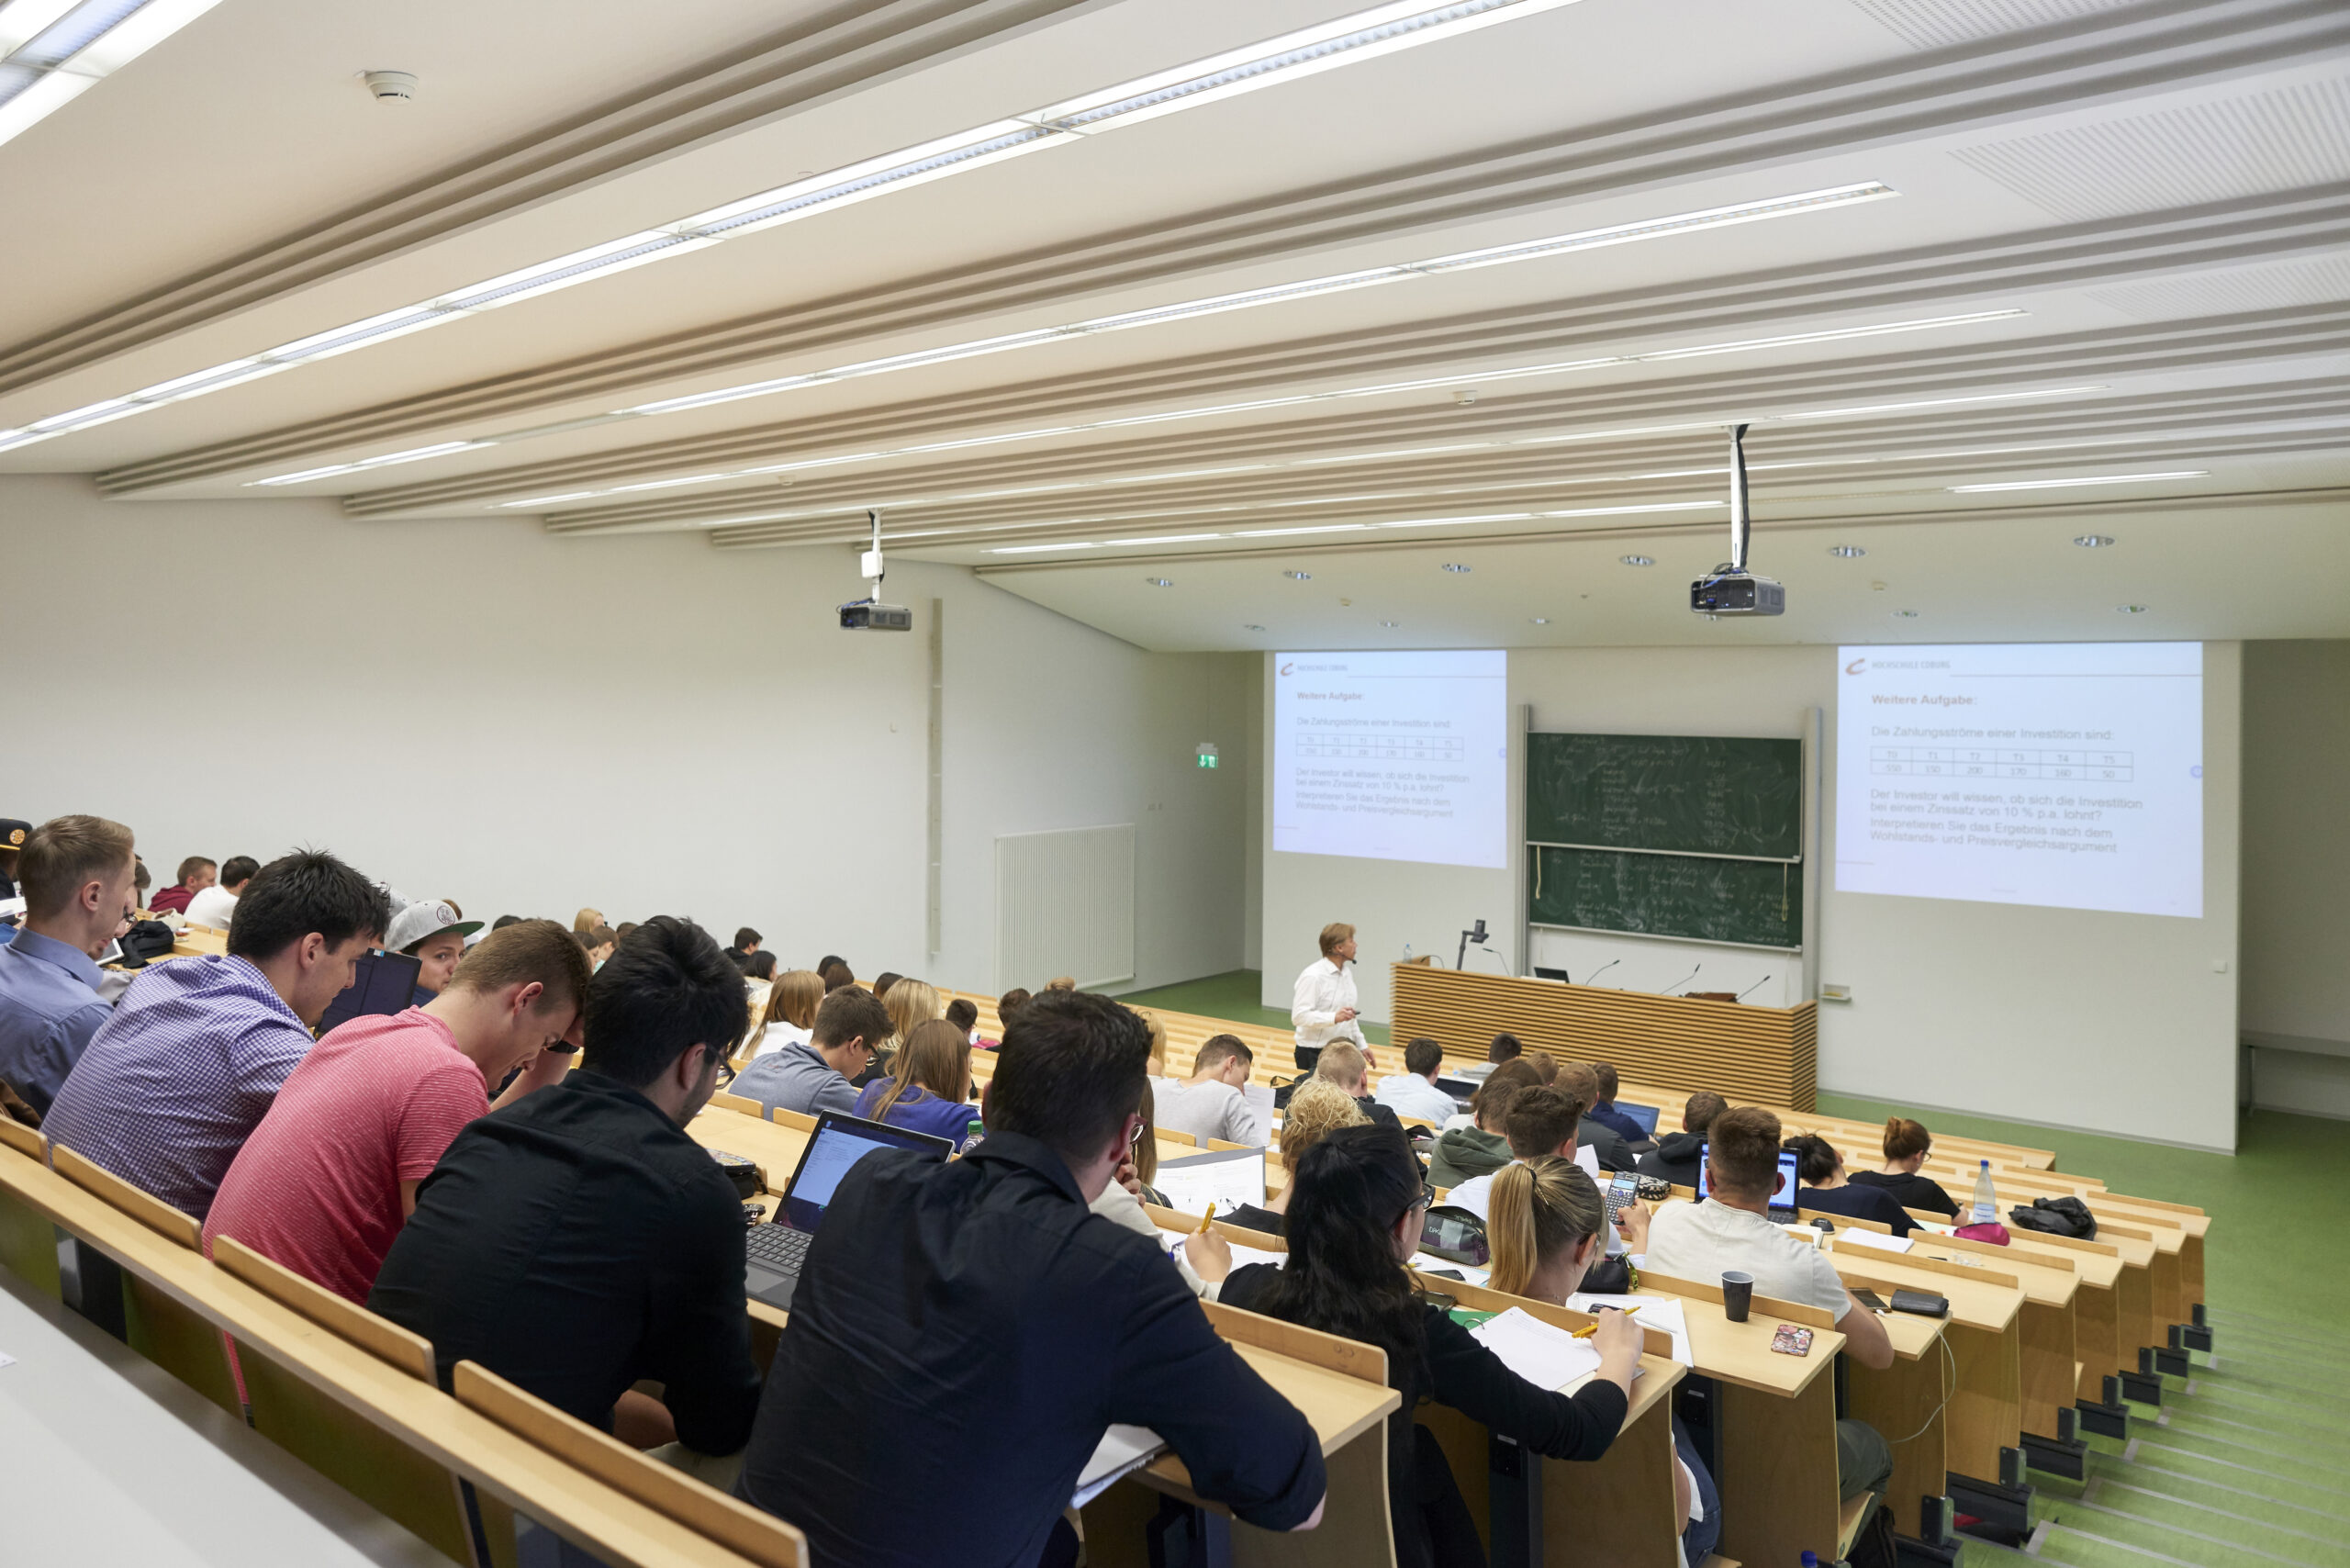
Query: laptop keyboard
x=779 y=1246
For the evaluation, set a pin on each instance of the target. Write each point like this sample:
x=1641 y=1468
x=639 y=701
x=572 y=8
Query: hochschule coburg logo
x=1857 y=667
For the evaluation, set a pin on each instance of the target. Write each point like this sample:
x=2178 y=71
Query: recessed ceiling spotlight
x=1391 y=626
x=2131 y=609
x=1160 y=582
x=1640 y=560
x=1455 y=566
x=1250 y=626
x=1299 y=576
x=1905 y=615
x=1541 y=621
x=2094 y=541
x=1847 y=552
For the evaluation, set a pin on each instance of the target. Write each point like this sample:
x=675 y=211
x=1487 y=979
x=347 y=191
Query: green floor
x=2246 y=1463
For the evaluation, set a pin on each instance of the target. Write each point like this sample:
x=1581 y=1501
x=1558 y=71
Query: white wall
x=2296 y=864
x=473 y=710
x=2076 y=1018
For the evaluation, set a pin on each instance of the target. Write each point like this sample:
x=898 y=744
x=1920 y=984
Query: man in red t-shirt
x=325 y=1182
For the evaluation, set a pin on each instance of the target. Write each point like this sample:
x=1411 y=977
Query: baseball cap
x=418 y=921
x=14 y=831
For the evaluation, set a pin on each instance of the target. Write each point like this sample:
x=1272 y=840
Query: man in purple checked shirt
x=192 y=1059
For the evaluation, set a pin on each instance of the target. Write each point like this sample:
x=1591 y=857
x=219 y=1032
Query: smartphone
x=1791 y=1341
x=1868 y=1298
x=1621 y=1190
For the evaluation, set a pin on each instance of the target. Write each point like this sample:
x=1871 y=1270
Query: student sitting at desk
x=1213 y=1102
x=1316 y=1110
x=1465 y=1153
x=326 y=1180
x=1006 y=1005
x=1518 y=1070
x=1824 y=1190
x=432 y=933
x=850 y=1025
x=1906 y=1144
x=1676 y=1158
x=1347 y=1065
x=1356 y=1216
x=1203 y=1259
x=1733 y=1229
x=929 y=1086
x=1015 y=1326
x=78 y=882
x=1608 y=1149
x=1603 y=1110
x=790 y=1017
x=577 y=1241
x=175 y=1081
x=195 y=874
x=1412 y=1092
x=215 y=906
x=1545 y=1229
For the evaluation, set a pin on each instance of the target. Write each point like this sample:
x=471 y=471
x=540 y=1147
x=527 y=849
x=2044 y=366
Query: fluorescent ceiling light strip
x=1361 y=36
x=1656 y=228
x=1909 y=326
x=414 y=455
x=53 y=52
x=1352 y=527
x=2067 y=484
x=1939 y=403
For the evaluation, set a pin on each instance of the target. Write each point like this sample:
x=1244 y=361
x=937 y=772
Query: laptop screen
x=384 y=982
x=838 y=1143
x=1644 y=1114
x=1783 y=1191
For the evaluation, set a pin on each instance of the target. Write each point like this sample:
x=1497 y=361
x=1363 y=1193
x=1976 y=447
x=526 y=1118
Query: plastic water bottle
x=1987 y=1203
x=972 y=1134
x=1811 y=1560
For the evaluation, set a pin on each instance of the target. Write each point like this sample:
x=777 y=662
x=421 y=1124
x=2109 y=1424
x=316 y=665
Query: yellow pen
x=1208 y=1219
x=1586 y=1331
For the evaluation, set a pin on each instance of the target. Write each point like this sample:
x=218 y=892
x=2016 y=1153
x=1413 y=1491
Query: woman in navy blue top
x=929 y=1086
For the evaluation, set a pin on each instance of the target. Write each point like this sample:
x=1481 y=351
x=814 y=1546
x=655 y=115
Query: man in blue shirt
x=1604 y=1113
x=77 y=873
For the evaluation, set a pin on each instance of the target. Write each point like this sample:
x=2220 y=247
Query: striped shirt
x=179 y=1075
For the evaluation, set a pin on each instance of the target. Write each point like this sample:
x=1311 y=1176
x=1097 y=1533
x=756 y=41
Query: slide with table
x=1392 y=755
x=2067 y=774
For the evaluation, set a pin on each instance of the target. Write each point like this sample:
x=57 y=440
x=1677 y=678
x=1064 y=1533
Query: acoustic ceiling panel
x=2287 y=138
x=1937 y=24
x=2318 y=280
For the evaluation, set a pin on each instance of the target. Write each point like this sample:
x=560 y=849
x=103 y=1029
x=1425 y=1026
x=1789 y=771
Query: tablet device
x=381 y=984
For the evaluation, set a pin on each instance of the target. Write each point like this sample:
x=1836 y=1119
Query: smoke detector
x=391 y=85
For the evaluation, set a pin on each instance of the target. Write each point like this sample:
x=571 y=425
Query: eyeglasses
x=1426 y=1197
x=1135 y=1141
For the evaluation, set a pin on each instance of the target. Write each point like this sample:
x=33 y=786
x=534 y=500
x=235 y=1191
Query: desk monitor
x=1783 y=1192
x=384 y=983
x=1644 y=1114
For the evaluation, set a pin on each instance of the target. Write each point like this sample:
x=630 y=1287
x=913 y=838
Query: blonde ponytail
x=1538 y=1209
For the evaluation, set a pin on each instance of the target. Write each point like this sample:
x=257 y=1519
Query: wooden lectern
x=1767 y=1055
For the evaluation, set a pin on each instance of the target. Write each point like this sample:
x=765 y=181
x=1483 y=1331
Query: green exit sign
x=1207 y=751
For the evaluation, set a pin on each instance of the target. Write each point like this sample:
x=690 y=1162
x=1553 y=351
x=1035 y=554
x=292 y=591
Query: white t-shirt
x=1409 y=1094
x=211 y=907
x=778 y=1035
x=1699 y=1241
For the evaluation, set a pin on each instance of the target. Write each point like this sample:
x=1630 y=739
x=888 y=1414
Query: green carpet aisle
x=2246 y=1463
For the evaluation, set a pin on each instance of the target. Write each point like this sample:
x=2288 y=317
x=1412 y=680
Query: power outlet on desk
x=1835 y=992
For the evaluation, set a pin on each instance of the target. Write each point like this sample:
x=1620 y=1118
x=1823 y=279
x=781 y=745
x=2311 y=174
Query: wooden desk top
x=1974 y=1304
x=2046 y=1280
x=415 y=1413
x=1742 y=1353
x=1340 y=1408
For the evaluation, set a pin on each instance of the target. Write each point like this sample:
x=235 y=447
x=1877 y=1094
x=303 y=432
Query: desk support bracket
x=1514 y=1484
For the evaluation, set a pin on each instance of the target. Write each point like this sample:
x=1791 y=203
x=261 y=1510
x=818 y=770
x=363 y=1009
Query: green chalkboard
x=1681 y=794
x=1754 y=901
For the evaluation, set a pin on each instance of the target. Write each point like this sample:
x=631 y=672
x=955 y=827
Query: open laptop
x=1644 y=1114
x=779 y=1247
x=1783 y=1191
x=380 y=983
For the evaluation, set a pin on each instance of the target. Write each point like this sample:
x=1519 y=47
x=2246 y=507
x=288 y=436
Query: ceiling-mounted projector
x=1729 y=589
x=869 y=615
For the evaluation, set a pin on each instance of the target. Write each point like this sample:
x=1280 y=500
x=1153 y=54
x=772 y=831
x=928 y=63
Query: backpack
x=2056 y=1216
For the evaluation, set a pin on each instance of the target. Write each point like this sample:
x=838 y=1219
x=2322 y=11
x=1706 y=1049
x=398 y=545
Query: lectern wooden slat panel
x=1753 y=1055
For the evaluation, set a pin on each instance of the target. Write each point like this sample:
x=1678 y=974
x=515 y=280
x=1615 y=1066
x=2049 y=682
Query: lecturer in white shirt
x=1322 y=1008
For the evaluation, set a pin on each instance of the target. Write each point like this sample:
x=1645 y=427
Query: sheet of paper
x=1544 y=1355
x=1226 y=1178
x=1883 y=1243
x=7 y=1359
x=1259 y=1097
x=1244 y=1254
x=1121 y=1449
x=1658 y=1312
